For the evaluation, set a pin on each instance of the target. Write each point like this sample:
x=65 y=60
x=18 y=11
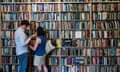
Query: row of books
x=97 y=43
x=84 y=52
x=8 y=43
x=83 y=34
x=80 y=68
x=52 y=34
x=105 y=43
x=66 y=25
x=106 y=34
x=105 y=52
x=87 y=52
x=106 y=60
x=84 y=41
x=77 y=60
x=9 y=60
x=10 y=68
x=112 y=68
x=7 y=34
x=104 y=25
x=44 y=7
x=53 y=61
x=106 y=16
x=45 y=16
x=52 y=25
x=15 y=16
x=8 y=51
x=53 y=0
x=63 y=7
x=10 y=25
x=87 y=43
x=68 y=34
x=60 y=16
x=106 y=7
x=48 y=7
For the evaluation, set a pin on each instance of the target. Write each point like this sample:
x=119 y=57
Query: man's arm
x=24 y=40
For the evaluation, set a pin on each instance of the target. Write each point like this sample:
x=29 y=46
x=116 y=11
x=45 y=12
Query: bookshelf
x=0 y=41
x=87 y=33
x=105 y=36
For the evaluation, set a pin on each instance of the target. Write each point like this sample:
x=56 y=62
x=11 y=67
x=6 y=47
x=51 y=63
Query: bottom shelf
x=67 y=68
x=10 y=68
x=78 y=68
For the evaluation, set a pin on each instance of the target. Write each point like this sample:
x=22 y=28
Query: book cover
x=112 y=52
x=117 y=52
x=67 y=43
x=78 y=34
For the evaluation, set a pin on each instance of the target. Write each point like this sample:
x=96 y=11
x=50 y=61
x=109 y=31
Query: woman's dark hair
x=40 y=31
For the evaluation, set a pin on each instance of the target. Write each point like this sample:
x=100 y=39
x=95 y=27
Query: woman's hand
x=33 y=35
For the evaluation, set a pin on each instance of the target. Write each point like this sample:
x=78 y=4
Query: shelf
x=105 y=65
x=9 y=55
x=47 y=20
x=43 y=2
x=92 y=37
x=106 y=47
x=8 y=29
x=85 y=65
x=8 y=47
x=104 y=2
x=52 y=29
x=7 y=38
x=79 y=2
x=105 y=38
x=100 y=11
x=70 y=64
x=10 y=20
x=107 y=20
x=105 y=56
x=69 y=29
x=9 y=64
x=61 y=11
x=105 y=29
x=63 y=20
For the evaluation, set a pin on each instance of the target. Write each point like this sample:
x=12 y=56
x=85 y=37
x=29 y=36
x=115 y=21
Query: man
x=21 y=42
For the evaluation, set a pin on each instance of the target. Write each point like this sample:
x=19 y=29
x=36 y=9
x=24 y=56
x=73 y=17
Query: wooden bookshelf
x=89 y=31
x=0 y=42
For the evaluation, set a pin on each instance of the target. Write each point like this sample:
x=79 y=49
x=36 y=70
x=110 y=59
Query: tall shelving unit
x=87 y=33
x=0 y=41
x=105 y=36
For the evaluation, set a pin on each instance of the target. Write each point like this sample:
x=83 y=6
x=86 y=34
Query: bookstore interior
x=87 y=33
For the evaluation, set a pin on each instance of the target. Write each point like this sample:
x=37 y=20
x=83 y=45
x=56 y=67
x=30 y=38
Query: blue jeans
x=23 y=61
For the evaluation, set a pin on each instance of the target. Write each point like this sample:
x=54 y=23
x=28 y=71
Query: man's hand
x=32 y=36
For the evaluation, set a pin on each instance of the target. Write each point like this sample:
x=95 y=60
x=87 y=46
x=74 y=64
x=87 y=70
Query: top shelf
x=82 y=2
x=39 y=2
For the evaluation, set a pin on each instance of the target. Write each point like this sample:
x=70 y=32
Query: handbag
x=49 y=47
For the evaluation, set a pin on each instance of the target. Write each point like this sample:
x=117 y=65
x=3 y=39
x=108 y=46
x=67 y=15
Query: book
x=78 y=34
x=66 y=43
x=117 y=52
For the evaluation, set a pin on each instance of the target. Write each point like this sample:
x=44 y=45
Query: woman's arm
x=37 y=42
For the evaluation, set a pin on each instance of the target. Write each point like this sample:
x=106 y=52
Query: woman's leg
x=45 y=68
x=35 y=69
x=40 y=68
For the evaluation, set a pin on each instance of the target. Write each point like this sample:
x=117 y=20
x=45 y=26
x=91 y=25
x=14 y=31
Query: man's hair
x=25 y=22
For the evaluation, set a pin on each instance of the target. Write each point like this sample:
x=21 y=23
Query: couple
x=22 y=42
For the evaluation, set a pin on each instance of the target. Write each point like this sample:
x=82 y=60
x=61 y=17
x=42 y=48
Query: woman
x=39 y=50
